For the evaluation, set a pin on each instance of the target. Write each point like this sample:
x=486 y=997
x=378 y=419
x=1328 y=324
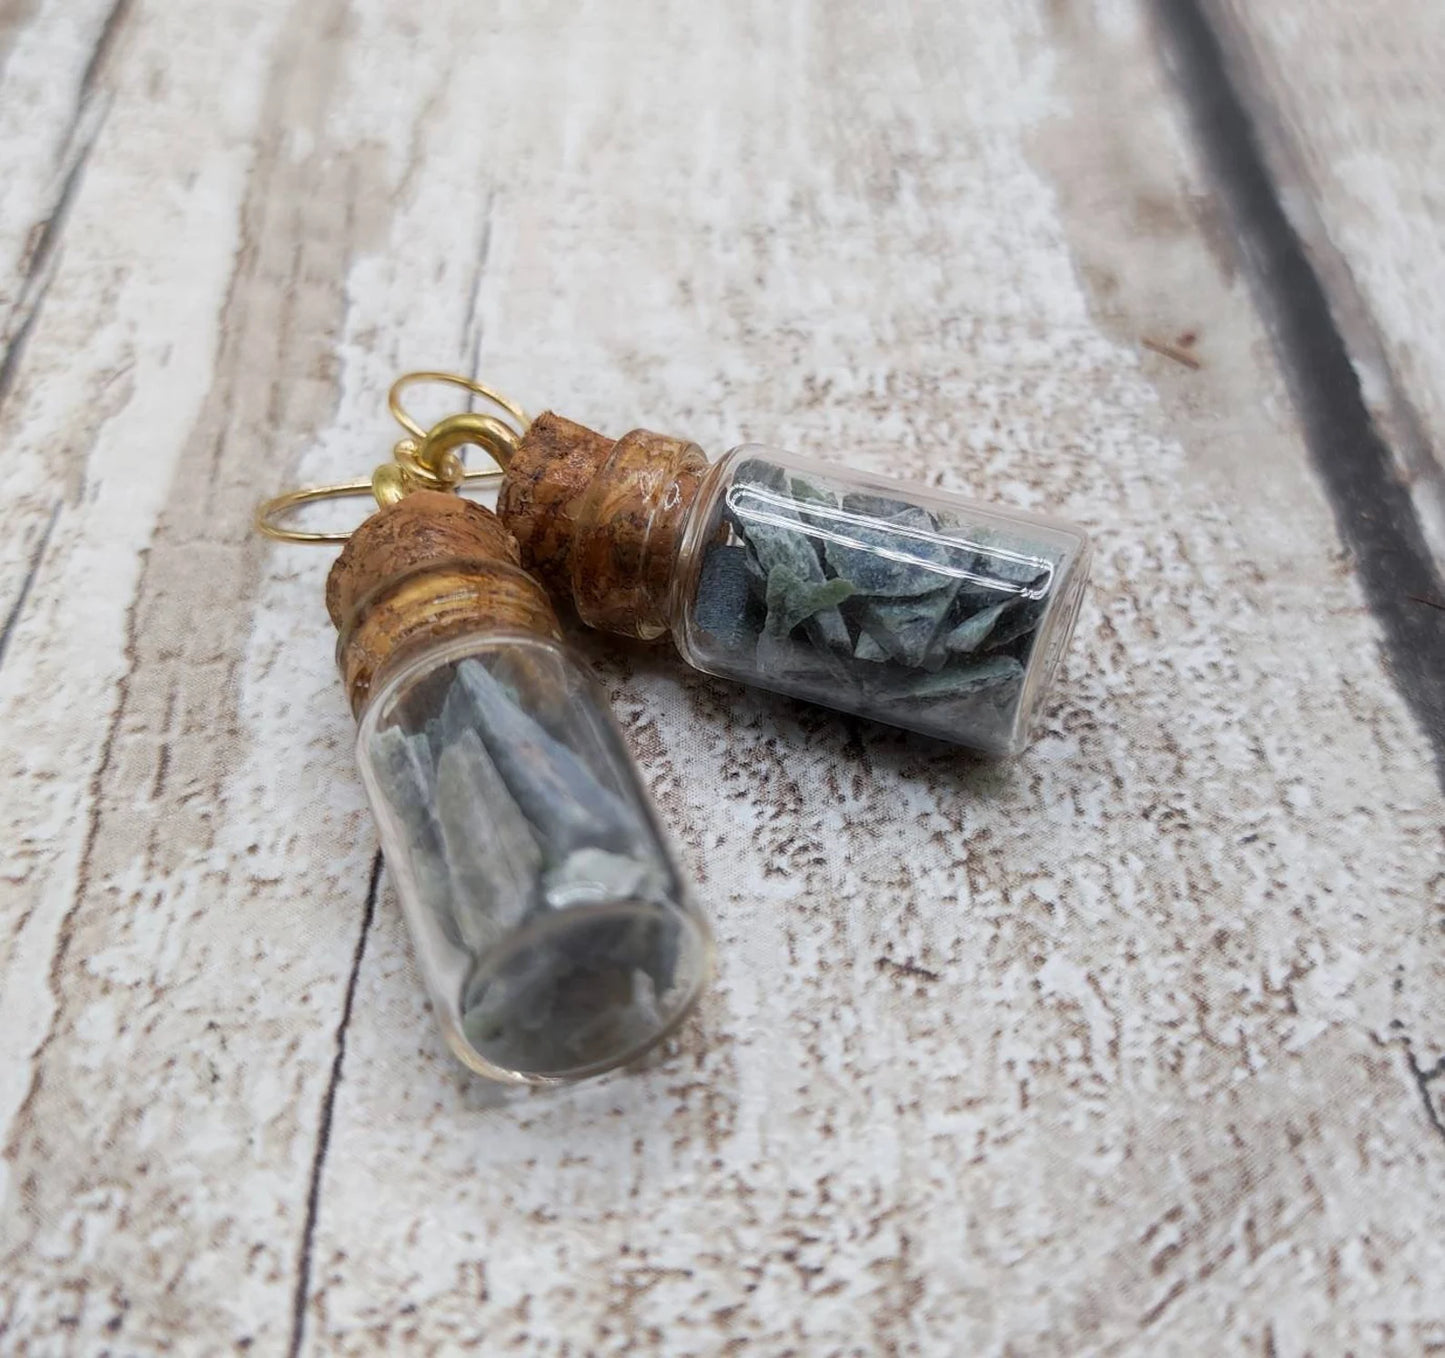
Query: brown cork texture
x=435 y=603
x=542 y=489
x=427 y=525
x=629 y=527
x=430 y=567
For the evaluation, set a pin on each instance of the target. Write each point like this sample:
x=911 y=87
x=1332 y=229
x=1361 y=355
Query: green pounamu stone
x=904 y=629
x=899 y=558
x=970 y=634
x=793 y=599
x=994 y=672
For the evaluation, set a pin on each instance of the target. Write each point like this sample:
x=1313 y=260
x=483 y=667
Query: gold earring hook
x=426 y=461
x=269 y=515
x=393 y=398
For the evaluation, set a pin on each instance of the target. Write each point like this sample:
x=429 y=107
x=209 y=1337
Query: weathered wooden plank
x=1350 y=103
x=170 y=1042
x=53 y=60
x=52 y=102
x=1059 y=1055
x=116 y=363
x=1046 y=1057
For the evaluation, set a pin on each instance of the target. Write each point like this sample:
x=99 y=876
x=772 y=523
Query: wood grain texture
x=1126 y=1047
x=1350 y=102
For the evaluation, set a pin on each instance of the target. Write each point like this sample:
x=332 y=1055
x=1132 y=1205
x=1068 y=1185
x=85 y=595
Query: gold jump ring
x=434 y=460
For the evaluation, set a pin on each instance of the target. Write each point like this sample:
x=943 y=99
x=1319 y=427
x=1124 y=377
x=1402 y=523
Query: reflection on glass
x=552 y=926
x=911 y=607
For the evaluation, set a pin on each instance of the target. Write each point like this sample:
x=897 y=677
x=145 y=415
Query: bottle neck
x=629 y=527
x=429 y=567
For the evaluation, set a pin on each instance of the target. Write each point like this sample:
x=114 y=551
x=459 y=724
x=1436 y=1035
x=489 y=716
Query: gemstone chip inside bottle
x=901 y=603
x=553 y=928
x=896 y=602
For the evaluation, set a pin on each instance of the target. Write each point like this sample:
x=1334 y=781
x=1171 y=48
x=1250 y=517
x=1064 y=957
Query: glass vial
x=548 y=918
x=895 y=602
x=550 y=924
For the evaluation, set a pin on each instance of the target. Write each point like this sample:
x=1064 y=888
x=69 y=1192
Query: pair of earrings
x=550 y=922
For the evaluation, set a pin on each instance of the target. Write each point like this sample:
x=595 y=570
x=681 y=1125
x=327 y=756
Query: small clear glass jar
x=895 y=602
x=554 y=932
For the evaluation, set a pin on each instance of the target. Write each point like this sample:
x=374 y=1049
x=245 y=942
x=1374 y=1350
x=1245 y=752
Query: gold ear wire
x=269 y=515
x=393 y=399
x=427 y=460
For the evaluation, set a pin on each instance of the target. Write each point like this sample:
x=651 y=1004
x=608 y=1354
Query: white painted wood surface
x=1351 y=103
x=1125 y=1047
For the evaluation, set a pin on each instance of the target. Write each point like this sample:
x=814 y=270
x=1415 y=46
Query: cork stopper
x=425 y=526
x=430 y=567
x=542 y=491
x=600 y=521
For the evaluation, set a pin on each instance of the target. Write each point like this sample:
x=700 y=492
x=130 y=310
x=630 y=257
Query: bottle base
x=589 y=989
